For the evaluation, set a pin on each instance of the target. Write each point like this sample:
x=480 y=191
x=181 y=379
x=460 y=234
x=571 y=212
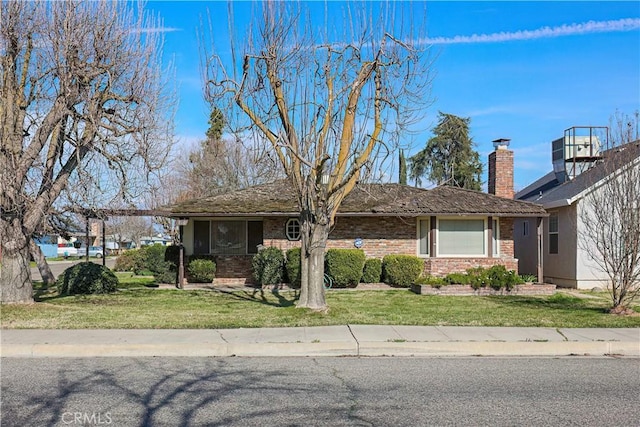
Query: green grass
x=136 y=305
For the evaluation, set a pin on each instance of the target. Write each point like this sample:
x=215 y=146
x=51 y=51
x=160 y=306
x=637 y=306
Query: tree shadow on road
x=166 y=391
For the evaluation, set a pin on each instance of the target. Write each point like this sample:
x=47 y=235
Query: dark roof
x=278 y=198
x=548 y=190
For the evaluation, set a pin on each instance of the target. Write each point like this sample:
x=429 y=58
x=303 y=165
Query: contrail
x=620 y=25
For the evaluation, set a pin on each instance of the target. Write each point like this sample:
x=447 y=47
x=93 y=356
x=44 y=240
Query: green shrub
x=172 y=254
x=372 y=272
x=344 y=266
x=153 y=259
x=201 y=270
x=401 y=270
x=497 y=277
x=436 y=282
x=529 y=278
x=292 y=267
x=268 y=266
x=478 y=277
x=87 y=278
x=129 y=261
x=500 y=277
x=457 y=279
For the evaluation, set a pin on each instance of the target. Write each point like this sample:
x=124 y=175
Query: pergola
x=104 y=214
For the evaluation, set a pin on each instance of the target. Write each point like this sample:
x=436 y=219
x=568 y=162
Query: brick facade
x=501 y=173
x=380 y=236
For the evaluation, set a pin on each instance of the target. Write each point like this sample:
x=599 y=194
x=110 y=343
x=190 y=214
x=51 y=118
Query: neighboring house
x=562 y=193
x=48 y=245
x=452 y=229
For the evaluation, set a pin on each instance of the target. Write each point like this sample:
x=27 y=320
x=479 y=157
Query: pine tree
x=449 y=158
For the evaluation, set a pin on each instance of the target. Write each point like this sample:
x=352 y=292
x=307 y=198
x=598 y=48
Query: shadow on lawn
x=260 y=296
x=554 y=302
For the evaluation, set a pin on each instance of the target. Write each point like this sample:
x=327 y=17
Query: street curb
x=329 y=349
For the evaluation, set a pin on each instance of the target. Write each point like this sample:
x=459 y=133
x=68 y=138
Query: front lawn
x=137 y=306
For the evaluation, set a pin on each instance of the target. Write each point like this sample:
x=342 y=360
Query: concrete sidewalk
x=347 y=340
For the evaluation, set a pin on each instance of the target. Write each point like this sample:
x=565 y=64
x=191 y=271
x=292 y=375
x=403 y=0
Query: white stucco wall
x=560 y=268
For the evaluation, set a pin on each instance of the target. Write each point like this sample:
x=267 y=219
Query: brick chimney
x=501 y=169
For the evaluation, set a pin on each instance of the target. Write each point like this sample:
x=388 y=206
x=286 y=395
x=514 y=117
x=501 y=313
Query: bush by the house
x=292 y=267
x=153 y=256
x=172 y=254
x=401 y=270
x=87 y=278
x=129 y=261
x=372 y=272
x=201 y=270
x=148 y=260
x=496 y=277
x=457 y=279
x=344 y=266
x=268 y=266
x=436 y=282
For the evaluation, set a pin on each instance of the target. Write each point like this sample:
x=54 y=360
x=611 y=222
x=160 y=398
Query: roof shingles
x=278 y=199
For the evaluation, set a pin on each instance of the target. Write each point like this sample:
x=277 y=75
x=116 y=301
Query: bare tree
x=324 y=101
x=223 y=163
x=83 y=106
x=609 y=219
x=129 y=228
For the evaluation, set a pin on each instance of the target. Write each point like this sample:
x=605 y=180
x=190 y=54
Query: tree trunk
x=15 y=273
x=312 y=280
x=41 y=261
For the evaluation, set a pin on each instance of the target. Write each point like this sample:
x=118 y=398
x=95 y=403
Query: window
x=495 y=235
x=201 y=237
x=292 y=229
x=227 y=237
x=553 y=233
x=461 y=237
x=525 y=228
x=424 y=229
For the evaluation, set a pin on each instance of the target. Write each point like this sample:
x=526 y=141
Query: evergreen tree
x=449 y=157
x=402 y=178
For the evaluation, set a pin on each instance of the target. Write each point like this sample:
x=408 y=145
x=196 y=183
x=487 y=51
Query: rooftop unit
x=578 y=150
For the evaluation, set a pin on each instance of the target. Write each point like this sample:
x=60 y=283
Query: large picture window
x=553 y=233
x=227 y=237
x=461 y=237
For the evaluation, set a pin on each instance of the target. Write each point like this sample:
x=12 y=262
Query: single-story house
x=562 y=193
x=452 y=229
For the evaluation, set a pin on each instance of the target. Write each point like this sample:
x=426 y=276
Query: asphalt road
x=57 y=267
x=321 y=391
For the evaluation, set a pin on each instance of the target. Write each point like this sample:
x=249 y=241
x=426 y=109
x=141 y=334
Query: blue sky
x=520 y=70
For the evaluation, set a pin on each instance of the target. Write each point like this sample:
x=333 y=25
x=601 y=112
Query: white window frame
x=556 y=232
x=485 y=237
x=496 y=236
x=290 y=222
x=428 y=254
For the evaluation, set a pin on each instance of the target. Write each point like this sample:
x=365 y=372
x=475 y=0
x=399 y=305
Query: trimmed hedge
x=401 y=270
x=292 y=267
x=372 y=272
x=344 y=266
x=201 y=270
x=87 y=278
x=268 y=266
